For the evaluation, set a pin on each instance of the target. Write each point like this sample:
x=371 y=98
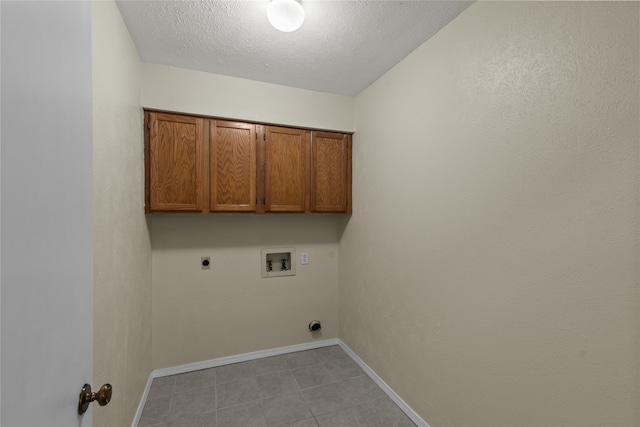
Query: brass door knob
x=103 y=396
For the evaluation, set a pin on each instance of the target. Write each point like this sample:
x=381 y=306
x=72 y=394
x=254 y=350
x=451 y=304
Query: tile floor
x=314 y=388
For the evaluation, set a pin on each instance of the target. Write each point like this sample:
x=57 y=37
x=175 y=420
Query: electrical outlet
x=304 y=258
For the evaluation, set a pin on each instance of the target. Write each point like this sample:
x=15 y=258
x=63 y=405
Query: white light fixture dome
x=285 y=15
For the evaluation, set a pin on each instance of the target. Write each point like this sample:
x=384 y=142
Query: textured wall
x=121 y=244
x=178 y=89
x=229 y=309
x=490 y=271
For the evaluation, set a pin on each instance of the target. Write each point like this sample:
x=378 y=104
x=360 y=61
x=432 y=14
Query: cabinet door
x=285 y=174
x=330 y=172
x=175 y=163
x=232 y=166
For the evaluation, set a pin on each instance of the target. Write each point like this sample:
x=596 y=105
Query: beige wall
x=197 y=92
x=200 y=315
x=227 y=310
x=489 y=273
x=121 y=245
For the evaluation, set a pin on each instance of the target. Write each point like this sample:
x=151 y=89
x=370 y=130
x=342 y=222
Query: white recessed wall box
x=278 y=262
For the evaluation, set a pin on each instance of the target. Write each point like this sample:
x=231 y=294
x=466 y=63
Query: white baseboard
x=392 y=394
x=143 y=399
x=190 y=367
x=181 y=369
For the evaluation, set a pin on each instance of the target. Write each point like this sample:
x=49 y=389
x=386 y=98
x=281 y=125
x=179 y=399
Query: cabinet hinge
x=264 y=136
x=148 y=125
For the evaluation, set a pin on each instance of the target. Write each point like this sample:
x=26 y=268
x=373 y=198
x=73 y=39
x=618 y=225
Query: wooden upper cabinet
x=208 y=165
x=232 y=166
x=330 y=172
x=175 y=171
x=285 y=169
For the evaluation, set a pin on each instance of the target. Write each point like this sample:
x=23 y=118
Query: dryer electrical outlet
x=278 y=262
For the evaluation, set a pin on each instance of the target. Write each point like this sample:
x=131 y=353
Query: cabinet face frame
x=233 y=147
x=153 y=159
x=323 y=176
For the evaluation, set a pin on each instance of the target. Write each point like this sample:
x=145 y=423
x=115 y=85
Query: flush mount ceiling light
x=285 y=15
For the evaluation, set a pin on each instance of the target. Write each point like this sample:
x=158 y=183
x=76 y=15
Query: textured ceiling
x=342 y=47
